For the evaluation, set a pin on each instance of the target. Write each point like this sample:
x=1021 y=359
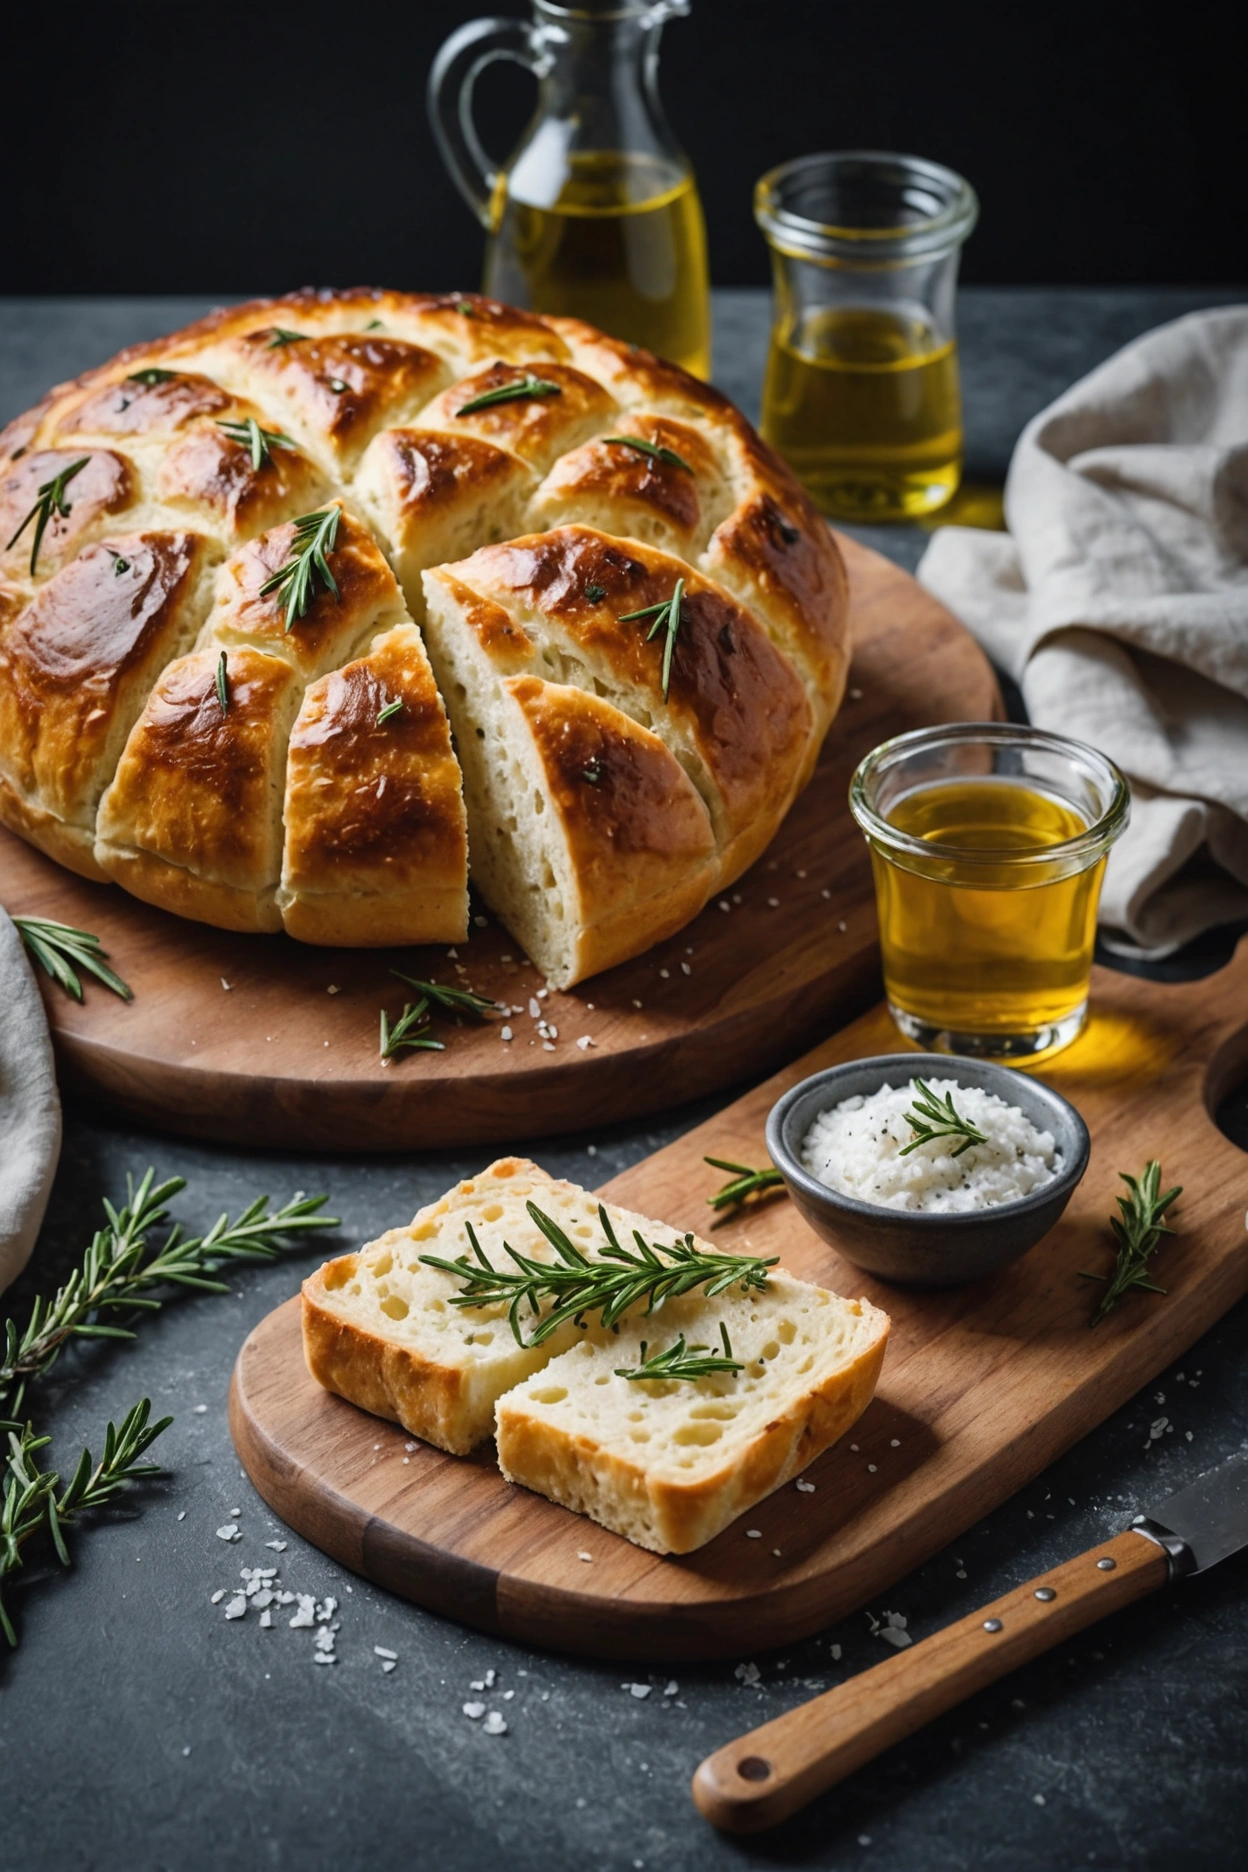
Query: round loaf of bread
x=312 y=607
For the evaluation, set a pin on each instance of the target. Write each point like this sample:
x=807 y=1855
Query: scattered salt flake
x=480 y=921
x=584 y=1556
x=199 y=1409
x=1039 y=1799
x=753 y=1533
x=639 y=1690
x=804 y=1488
x=266 y=1619
x=864 y=1839
x=182 y=1514
x=835 y=1653
x=491 y=1678
x=507 y=1695
x=685 y=969
x=724 y=905
x=495 y=1724
x=229 y=1532
x=323 y=1657
x=333 y=988
x=585 y=1041
x=778 y=1554
x=672 y=1688
x=262 y=1598
x=842 y=926
x=1188 y=1435
x=219 y=1595
x=505 y=1033
x=237 y=1606
x=452 y=955
x=666 y=974
x=636 y=1004
x=961 y=1573
x=380 y=1651
x=548 y=1046
x=871 y=1468
x=535 y=1009
x=324 y=1640
x=186 y=1751
x=306 y=1615
x=855 y=695
x=894 y=1442
x=773 y=903
x=278 y=1546
x=226 y=985
x=747 y=1673
x=591 y=1150
x=389 y=1665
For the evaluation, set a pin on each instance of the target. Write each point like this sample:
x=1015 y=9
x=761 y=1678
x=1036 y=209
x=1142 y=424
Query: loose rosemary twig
x=685 y=1362
x=60 y=950
x=745 y=1182
x=119 y=1272
x=411 y=1030
x=295 y=582
x=667 y=617
x=1138 y=1232
x=34 y=1500
x=930 y=1118
x=609 y=1286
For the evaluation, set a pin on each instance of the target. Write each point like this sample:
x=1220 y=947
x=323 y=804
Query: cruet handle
x=449 y=96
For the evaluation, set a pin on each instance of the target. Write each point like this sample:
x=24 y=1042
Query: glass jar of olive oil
x=988 y=844
x=862 y=396
x=596 y=214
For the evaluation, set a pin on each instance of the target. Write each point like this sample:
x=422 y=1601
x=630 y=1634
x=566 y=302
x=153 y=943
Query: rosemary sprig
x=280 y=338
x=295 y=582
x=119 y=1273
x=50 y=500
x=60 y=950
x=249 y=435
x=930 y=1118
x=389 y=710
x=594 y=594
x=524 y=387
x=452 y=1001
x=1138 y=1231
x=410 y=1032
x=223 y=683
x=745 y=1182
x=150 y=376
x=667 y=617
x=686 y=1362
x=655 y=450
x=621 y=1278
x=34 y=1500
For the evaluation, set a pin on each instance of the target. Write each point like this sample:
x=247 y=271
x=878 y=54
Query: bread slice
x=666 y=1463
x=669 y=1463
x=379 y=1327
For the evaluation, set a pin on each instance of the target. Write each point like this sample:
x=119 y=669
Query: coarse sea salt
x=855 y=1148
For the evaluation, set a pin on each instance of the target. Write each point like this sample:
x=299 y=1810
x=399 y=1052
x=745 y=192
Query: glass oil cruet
x=596 y=213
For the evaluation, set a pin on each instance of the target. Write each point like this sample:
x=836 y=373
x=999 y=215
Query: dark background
x=249 y=146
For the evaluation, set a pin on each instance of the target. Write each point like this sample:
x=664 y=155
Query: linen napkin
x=1119 y=602
x=30 y=1109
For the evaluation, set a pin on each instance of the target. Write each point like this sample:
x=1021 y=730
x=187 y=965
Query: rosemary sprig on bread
x=686 y=1363
x=667 y=617
x=295 y=582
x=50 y=499
x=609 y=1287
x=259 y=442
x=518 y=392
x=655 y=450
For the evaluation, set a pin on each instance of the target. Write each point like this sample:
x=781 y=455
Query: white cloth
x=1119 y=602
x=30 y=1109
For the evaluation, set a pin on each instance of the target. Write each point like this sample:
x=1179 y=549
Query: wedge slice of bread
x=669 y=1463
x=380 y=1329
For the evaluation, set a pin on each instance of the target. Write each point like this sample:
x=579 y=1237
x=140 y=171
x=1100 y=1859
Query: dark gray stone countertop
x=139 y=1728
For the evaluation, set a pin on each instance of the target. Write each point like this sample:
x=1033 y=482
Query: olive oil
x=976 y=947
x=864 y=405
x=622 y=245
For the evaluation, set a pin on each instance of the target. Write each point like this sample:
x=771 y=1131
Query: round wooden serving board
x=287 y=1053
x=982 y=1387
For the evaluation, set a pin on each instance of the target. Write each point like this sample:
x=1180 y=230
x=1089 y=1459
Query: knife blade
x=765 y=1776
x=1205 y=1522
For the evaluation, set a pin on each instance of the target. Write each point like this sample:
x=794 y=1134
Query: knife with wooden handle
x=770 y=1773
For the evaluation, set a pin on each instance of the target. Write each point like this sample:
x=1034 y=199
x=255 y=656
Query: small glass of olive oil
x=988 y=846
x=862 y=393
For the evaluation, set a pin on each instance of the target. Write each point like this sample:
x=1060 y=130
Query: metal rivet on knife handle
x=1107 y=1565
x=1046 y=1593
x=993 y=1625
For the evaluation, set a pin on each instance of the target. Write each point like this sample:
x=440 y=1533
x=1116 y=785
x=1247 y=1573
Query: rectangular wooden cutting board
x=982 y=1387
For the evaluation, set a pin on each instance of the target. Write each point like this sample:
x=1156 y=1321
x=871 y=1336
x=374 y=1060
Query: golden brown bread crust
x=688 y=1514
x=369 y=395
x=103 y=486
x=333 y=626
x=376 y=839
x=197 y=779
x=642 y=853
x=75 y=669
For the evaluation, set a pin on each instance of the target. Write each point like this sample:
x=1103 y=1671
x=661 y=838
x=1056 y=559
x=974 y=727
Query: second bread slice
x=669 y=1463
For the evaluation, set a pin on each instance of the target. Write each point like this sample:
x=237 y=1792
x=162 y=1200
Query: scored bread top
x=260 y=414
